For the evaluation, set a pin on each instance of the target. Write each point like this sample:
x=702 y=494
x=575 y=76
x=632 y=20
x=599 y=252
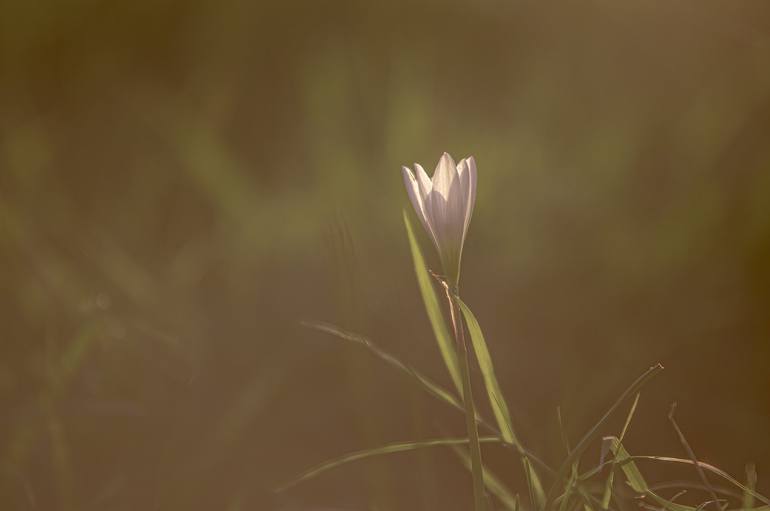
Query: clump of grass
x=562 y=488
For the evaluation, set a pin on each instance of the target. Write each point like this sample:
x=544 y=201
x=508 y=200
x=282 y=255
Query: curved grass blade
x=497 y=401
x=431 y=387
x=714 y=470
x=686 y=485
x=611 y=440
x=594 y=431
x=427 y=384
x=688 y=449
x=377 y=451
x=432 y=307
x=638 y=483
x=636 y=479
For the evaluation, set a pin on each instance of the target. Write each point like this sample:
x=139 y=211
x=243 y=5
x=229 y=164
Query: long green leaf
x=433 y=308
x=377 y=451
x=497 y=401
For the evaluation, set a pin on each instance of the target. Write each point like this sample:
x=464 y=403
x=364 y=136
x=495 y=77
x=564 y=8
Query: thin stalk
x=470 y=409
x=717 y=501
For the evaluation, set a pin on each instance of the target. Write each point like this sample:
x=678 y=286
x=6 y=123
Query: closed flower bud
x=444 y=205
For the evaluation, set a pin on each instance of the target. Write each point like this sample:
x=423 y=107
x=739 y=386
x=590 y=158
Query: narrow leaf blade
x=636 y=480
x=428 y=385
x=376 y=451
x=433 y=308
x=497 y=400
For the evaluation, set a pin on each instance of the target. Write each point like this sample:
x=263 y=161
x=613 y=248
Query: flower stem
x=479 y=498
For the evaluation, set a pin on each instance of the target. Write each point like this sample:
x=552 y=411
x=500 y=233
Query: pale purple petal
x=462 y=171
x=417 y=200
x=447 y=208
x=444 y=176
x=470 y=192
x=426 y=185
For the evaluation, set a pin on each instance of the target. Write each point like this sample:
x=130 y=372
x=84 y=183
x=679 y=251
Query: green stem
x=470 y=409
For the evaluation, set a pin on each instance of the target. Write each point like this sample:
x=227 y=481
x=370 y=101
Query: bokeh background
x=182 y=183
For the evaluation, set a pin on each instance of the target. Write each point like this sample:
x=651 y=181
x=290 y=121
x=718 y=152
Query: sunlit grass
x=593 y=489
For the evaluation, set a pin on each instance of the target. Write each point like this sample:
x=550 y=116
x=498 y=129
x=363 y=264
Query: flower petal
x=417 y=199
x=470 y=192
x=426 y=185
x=444 y=176
x=447 y=212
x=462 y=171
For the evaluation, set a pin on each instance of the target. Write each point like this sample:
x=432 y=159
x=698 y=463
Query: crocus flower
x=444 y=205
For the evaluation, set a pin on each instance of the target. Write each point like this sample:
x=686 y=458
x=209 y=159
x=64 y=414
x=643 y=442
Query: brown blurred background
x=181 y=183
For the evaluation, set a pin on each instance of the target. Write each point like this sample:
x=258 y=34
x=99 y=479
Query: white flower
x=444 y=205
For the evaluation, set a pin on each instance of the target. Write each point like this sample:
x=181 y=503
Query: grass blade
x=433 y=308
x=573 y=482
x=433 y=389
x=497 y=401
x=638 y=483
x=714 y=470
x=611 y=477
x=694 y=459
x=377 y=451
x=636 y=479
x=568 y=491
x=751 y=485
x=428 y=385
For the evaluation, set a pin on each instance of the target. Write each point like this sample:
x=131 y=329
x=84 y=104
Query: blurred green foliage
x=182 y=182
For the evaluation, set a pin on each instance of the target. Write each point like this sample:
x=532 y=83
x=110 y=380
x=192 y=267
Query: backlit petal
x=447 y=212
x=426 y=185
x=462 y=171
x=444 y=176
x=416 y=198
x=470 y=192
